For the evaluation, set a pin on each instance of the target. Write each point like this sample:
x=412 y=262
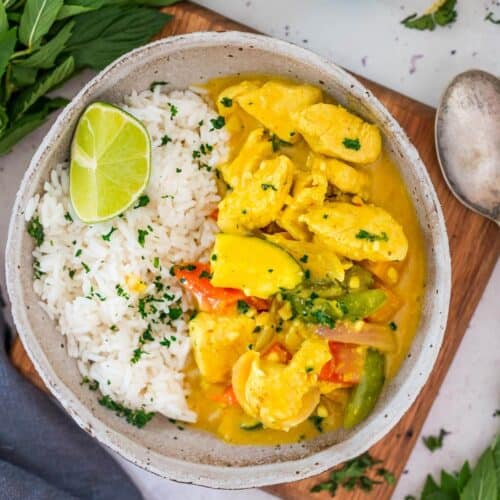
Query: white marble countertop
x=471 y=391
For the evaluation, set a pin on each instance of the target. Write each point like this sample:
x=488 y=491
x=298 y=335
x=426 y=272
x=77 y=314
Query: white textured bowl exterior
x=192 y=455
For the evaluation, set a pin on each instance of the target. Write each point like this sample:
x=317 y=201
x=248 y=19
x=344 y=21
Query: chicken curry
x=313 y=289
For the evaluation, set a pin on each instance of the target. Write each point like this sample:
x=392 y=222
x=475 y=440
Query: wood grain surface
x=475 y=247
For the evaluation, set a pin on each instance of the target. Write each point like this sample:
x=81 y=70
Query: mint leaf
x=46 y=55
x=30 y=95
x=21 y=76
x=7 y=44
x=4 y=22
x=36 y=20
x=483 y=482
x=445 y=14
x=101 y=36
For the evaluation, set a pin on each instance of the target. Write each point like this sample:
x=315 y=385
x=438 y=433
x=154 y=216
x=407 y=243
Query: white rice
x=102 y=328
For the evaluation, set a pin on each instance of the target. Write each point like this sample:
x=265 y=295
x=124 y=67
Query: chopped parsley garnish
x=226 y=102
x=141 y=236
x=174 y=313
x=188 y=267
x=309 y=369
x=205 y=166
x=304 y=258
x=433 y=443
x=35 y=230
x=78 y=252
x=113 y=328
x=393 y=326
x=307 y=274
x=173 y=110
x=165 y=140
x=205 y=274
x=37 y=272
x=352 y=144
x=200 y=123
x=107 y=236
x=178 y=170
x=196 y=154
x=443 y=15
x=137 y=355
x=92 y=384
x=217 y=123
x=277 y=143
x=366 y=235
x=489 y=17
x=242 y=306
x=167 y=342
x=156 y=84
x=147 y=336
x=206 y=149
x=142 y=201
x=257 y=329
x=86 y=267
x=71 y=273
x=121 y=292
x=265 y=187
x=353 y=474
x=213 y=257
x=156 y=262
x=138 y=418
x=317 y=421
x=68 y=217
x=101 y=297
x=325 y=216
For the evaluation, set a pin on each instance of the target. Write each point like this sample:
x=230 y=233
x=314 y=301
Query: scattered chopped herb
x=496 y=413
x=121 y=292
x=433 y=443
x=325 y=216
x=443 y=15
x=156 y=84
x=277 y=143
x=37 y=272
x=101 y=297
x=244 y=211
x=141 y=236
x=489 y=17
x=178 y=170
x=366 y=235
x=165 y=140
x=78 y=252
x=174 y=313
x=242 y=307
x=265 y=187
x=393 y=326
x=317 y=421
x=250 y=347
x=257 y=329
x=142 y=201
x=68 y=217
x=205 y=166
x=309 y=369
x=200 y=123
x=352 y=144
x=353 y=474
x=187 y=267
x=251 y=427
x=113 y=328
x=35 y=230
x=206 y=149
x=168 y=196
x=304 y=258
x=217 y=123
x=156 y=262
x=92 y=384
x=165 y=342
x=270 y=270
x=205 y=274
x=226 y=102
x=307 y=274
x=138 y=418
x=196 y=154
x=137 y=355
x=173 y=110
x=71 y=273
x=106 y=237
x=86 y=267
x=213 y=257
x=147 y=335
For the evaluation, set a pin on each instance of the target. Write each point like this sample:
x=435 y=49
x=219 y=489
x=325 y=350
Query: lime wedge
x=110 y=162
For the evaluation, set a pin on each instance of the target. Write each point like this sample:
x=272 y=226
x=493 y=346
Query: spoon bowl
x=468 y=141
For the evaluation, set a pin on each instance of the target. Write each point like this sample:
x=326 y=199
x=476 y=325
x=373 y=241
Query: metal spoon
x=468 y=141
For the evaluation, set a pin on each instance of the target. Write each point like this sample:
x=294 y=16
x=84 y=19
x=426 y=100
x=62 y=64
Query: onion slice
x=372 y=335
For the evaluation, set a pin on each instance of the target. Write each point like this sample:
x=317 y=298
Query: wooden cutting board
x=475 y=247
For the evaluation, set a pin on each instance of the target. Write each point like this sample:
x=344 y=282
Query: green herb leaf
x=107 y=236
x=101 y=36
x=4 y=120
x=489 y=17
x=36 y=20
x=445 y=14
x=265 y=187
x=46 y=55
x=29 y=122
x=142 y=201
x=217 y=123
x=352 y=144
x=8 y=41
x=29 y=96
x=242 y=307
x=35 y=230
x=138 y=418
x=365 y=235
x=226 y=102
x=483 y=482
x=433 y=443
x=22 y=76
x=4 y=22
x=141 y=236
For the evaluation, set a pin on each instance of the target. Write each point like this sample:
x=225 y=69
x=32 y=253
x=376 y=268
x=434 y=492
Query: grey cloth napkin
x=44 y=455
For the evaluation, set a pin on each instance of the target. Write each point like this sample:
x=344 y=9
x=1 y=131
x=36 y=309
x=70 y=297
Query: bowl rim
x=219 y=476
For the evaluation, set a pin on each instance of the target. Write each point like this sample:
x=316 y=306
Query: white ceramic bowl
x=191 y=455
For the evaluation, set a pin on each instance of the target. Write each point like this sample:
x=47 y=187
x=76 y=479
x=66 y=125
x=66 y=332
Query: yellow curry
x=313 y=289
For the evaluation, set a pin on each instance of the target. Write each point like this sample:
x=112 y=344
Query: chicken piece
x=256 y=148
x=257 y=202
x=358 y=232
x=281 y=395
x=322 y=263
x=309 y=190
x=331 y=130
x=218 y=341
x=273 y=105
x=341 y=175
x=226 y=101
